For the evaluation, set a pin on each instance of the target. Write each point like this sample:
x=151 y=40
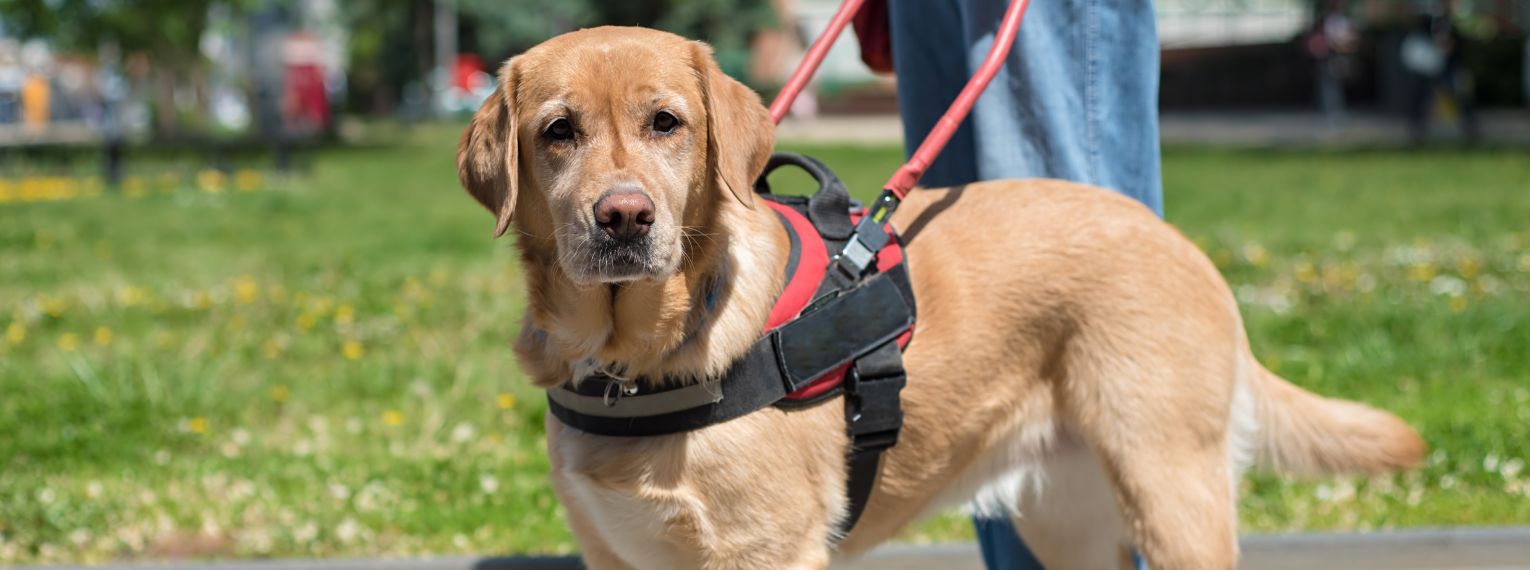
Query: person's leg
x=929 y=54
x=1420 y=106
x=1077 y=98
x=1001 y=545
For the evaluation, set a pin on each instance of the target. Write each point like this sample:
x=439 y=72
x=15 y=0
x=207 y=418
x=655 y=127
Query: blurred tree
x=499 y=29
x=391 y=40
x=168 y=31
x=727 y=24
x=390 y=47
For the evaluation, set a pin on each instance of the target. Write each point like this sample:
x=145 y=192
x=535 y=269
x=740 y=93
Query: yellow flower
x=201 y=301
x=246 y=289
x=247 y=180
x=54 y=306
x=133 y=187
x=67 y=342
x=280 y=393
x=1305 y=272
x=130 y=295
x=1256 y=254
x=197 y=425
x=103 y=336
x=352 y=349
x=210 y=181
x=1468 y=267
x=1421 y=272
x=345 y=315
x=306 y=321
x=393 y=418
x=1457 y=304
x=505 y=401
x=16 y=333
x=321 y=305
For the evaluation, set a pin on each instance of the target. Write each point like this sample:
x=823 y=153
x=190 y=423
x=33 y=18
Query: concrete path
x=1447 y=549
x=1273 y=128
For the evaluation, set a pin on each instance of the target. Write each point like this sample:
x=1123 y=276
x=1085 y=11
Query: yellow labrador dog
x=1077 y=364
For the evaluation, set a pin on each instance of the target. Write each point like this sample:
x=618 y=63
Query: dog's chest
x=634 y=501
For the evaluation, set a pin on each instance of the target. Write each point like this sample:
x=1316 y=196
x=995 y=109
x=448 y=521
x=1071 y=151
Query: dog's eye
x=665 y=122
x=560 y=130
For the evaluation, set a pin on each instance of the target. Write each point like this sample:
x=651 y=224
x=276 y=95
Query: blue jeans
x=1077 y=99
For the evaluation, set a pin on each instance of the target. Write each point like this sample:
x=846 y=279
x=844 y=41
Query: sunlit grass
x=319 y=366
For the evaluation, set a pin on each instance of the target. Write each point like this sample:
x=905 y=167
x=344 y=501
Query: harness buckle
x=869 y=238
x=873 y=411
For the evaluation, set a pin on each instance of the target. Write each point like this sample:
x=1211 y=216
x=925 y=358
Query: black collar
x=783 y=361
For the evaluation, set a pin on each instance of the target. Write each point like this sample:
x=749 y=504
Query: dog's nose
x=624 y=213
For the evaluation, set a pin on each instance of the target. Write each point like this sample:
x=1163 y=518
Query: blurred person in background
x=1077 y=99
x=1432 y=53
x=36 y=102
x=36 y=90
x=11 y=78
x=111 y=96
x=1331 y=43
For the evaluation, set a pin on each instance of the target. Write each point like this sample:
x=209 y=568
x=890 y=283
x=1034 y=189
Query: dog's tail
x=1304 y=433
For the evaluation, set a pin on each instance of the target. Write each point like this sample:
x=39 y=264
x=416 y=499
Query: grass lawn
x=319 y=366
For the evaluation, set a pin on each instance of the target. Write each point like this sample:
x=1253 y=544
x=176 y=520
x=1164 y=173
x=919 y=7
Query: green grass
x=320 y=367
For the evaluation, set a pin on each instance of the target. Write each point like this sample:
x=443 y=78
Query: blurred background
x=247 y=311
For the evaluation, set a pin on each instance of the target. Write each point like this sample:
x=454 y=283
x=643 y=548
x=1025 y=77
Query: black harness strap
x=875 y=417
x=781 y=362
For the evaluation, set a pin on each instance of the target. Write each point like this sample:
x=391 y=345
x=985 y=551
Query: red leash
x=909 y=174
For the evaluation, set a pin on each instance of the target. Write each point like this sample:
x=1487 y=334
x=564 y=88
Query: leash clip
x=616 y=388
x=869 y=238
x=617 y=385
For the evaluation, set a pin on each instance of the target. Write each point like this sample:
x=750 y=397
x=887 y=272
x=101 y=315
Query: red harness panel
x=812 y=262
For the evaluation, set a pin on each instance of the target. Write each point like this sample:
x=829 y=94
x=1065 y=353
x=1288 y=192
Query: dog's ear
x=739 y=131
x=487 y=163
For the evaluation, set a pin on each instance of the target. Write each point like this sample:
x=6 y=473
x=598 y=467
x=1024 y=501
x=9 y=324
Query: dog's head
x=613 y=148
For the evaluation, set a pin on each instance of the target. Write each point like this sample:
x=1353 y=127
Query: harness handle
x=828 y=207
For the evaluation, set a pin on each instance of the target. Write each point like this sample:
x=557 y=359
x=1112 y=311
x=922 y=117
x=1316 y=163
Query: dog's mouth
x=621 y=260
x=600 y=259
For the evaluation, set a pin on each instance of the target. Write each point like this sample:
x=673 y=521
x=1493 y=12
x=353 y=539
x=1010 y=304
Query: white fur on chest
x=632 y=522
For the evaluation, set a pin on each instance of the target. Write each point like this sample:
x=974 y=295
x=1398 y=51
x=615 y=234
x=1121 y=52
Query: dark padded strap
x=781 y=362
x=752 y=382
x=874 y=417
x=852 y=324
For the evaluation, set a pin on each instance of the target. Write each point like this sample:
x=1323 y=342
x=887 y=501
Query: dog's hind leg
x=1181 y=511
x=1068 y=517
x=1168 y=462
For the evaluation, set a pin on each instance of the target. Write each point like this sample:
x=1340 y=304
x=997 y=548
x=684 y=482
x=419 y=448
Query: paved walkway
x=1274 y=128
x=1447 y=549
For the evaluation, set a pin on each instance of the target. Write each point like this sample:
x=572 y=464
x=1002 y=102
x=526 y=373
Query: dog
x=1078 y=365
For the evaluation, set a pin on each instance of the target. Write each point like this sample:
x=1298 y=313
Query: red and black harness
x=838 y=328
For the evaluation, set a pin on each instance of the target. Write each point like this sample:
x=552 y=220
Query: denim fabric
x=1077 y=99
